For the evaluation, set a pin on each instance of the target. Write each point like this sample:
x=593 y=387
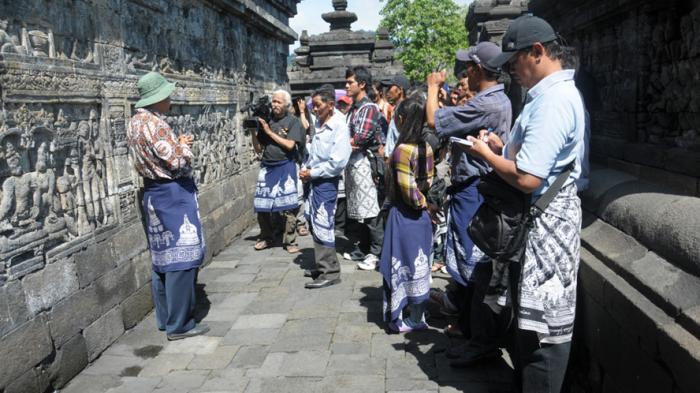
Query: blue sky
x=309 y=15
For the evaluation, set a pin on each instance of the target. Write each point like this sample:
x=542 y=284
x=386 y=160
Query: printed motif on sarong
x=175 y=235
x=276 y=189
x=320 y=210
x=547 y=293
x=360 y=190
x=461 y=255
x=405 y=260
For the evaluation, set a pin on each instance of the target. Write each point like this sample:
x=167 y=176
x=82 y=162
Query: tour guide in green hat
x=174 y=231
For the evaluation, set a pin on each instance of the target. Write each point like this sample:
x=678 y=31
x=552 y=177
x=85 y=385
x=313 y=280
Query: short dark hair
x=554 y=50
x=361 y=74
x=326 y=92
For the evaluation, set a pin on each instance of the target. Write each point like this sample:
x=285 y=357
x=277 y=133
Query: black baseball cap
x=522 y=33
x=397 y=80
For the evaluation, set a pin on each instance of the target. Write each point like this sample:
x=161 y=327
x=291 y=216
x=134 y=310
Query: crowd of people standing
x=400 y=172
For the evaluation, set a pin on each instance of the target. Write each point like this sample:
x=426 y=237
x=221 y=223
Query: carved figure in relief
x=43 y=182
x=16 y=212
x=67 y=201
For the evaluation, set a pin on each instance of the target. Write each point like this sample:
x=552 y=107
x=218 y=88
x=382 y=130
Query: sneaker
x=353 y=256
x=369 y=263
x=196 y=331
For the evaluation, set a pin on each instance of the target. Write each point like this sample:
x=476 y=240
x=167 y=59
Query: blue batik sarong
x=174 y=231
x=460 y=253
x=405 y=261
x=276 y=190
x=320 y=210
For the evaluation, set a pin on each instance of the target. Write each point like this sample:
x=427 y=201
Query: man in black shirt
x=282 y=144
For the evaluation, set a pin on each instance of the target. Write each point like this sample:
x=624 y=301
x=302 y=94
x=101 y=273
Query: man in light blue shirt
x=546 y=138
x=328 y=154
x=397 y=88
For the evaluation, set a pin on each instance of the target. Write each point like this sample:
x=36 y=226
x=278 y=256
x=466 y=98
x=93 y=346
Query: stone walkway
x=269 y=334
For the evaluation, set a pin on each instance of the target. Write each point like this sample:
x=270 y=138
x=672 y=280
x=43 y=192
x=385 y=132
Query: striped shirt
x=156 y=151
x=413 y=174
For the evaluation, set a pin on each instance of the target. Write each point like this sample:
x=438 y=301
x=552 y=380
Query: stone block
x=115 y=286
x=645 y=154
x=70 y=359
x=680 y=352
x=103 y=332
x=136 y=306
x=13 y=307
x=611 y=245
x=674 y=232
x=73 y=314
x=35 y=380
x=677 y=183
x=260 y=321
x=601 y=181
x=129 y=242
x=163 y=364
x=250 y=357
x=683 y=161
x=669 y=287
x=27 y=346
x=48 y=286
x=216 y=360
x=94 y=261
x=690 y=320
x=355 y=365
x=630 y=310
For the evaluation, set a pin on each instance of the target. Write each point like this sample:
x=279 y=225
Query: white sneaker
x=369 y=263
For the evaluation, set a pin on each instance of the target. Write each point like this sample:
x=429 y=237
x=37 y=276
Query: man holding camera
x=281 y=143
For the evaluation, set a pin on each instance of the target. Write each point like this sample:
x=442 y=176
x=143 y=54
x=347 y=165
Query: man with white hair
x=282 y=144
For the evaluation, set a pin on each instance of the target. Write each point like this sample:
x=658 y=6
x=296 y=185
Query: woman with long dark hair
x=405 y=262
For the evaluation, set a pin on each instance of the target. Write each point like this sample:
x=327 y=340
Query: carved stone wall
x=73 y=256
x=638 y=325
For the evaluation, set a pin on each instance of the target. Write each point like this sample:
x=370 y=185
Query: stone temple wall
x=638 y=321
x=75 y=270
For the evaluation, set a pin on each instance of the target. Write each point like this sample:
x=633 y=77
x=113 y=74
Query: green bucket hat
x=153 y=88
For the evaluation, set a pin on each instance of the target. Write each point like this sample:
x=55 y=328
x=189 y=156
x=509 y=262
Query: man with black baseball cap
x=467 y=265
x=397 y=88
x=545 y=140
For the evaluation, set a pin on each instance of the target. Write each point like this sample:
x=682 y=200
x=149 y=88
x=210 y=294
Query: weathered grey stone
x=668 y=286
x=13 y=307
x=103 y=332
x=163 y=364
x=48 y=286
x=612 y=245
x=680 y=352
x=94 y=261
x=73 y=314
x=136 y=306
x=250 y=336
x=115 y=286
x=261 y=321
x=220 y=358
x=249 y=357
x=84 y=383
x=26 y=346
x=34 y=380
x=70 y=359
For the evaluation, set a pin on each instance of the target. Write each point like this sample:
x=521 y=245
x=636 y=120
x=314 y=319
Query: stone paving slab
x=270 y=334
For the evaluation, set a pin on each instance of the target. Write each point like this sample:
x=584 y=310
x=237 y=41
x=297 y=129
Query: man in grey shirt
x=468 y=266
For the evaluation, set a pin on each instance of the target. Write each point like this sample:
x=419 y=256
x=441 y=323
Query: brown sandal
x=261 y=245
x=453 y=331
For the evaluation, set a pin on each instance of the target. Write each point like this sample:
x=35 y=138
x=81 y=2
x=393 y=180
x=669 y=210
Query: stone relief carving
x=217 y=143
x=52 y=170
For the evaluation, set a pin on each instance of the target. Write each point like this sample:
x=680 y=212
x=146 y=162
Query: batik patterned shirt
x=155 y=149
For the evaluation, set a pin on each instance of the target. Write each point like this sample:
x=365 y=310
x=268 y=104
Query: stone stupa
x=323 y=58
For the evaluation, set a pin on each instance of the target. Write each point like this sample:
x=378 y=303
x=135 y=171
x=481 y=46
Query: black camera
x=262 y=108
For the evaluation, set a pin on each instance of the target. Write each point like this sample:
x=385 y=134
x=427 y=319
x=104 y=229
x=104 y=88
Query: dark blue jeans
x=173 y=296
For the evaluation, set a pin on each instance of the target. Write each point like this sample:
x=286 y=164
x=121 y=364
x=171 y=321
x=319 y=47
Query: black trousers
x=368 y=236
x=341 y=210
x=539 y=368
